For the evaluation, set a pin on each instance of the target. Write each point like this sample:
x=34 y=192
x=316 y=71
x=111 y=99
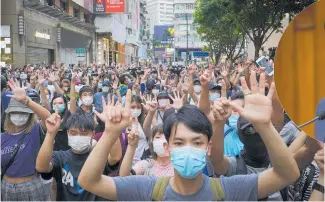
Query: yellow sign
x=42 y=35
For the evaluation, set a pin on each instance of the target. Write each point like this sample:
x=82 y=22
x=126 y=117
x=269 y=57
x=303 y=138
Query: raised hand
x=221 y=109
x=240 y=68
x=117 y=117
x=258 y=107
x=224 y=71
x=18 y=92
x=191 y=70
x=53 y=122
x=74 y=76
x=133 y=135
x=151 y=103
x=52 y=77
x=102 y=116
x=205 y=79
x=177 y=100
x=41 y=78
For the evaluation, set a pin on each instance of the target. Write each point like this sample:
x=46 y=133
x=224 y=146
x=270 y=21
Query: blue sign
x=164 y=35
x=200 y=54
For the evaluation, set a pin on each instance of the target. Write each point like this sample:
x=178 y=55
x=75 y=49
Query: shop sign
x=42 y=35
x=80 y=51
x=110 y=6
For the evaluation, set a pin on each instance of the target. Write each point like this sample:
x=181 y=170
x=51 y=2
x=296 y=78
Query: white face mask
x=163 y=102
x=197 y=88
x=135 y=113
x=65 y=89
x=105 y=89
x=80 y=144
x=87 y=101
x=155 y=91
x=19 y=119
x=158 y=147
x=134 y=93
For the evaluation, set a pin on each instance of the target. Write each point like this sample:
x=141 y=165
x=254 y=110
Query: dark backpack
x=242 y=170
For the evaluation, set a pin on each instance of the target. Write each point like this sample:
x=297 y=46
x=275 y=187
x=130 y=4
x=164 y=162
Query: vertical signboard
x=100 y=6
x=6 y=45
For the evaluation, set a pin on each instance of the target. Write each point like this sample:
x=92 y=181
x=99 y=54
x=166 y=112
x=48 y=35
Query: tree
x=154 y=42
x=257 y=19
x=222 y=35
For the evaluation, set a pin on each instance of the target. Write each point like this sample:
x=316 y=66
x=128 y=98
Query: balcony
x=59 y=13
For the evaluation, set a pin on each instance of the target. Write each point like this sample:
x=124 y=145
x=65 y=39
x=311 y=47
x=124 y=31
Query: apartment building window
x=64 y=5
x=50 y=2
x=76 y=12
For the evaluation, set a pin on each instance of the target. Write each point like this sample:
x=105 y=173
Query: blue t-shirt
x=5 y=99
x=139 y=188
x=25 y=160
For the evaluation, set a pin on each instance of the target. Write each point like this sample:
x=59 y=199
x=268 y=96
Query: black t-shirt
x=66 y=170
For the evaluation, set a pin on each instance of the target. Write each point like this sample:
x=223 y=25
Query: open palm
x=258 y=107
x=18 y=92
x=177 y=100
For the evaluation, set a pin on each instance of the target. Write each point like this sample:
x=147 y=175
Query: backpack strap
x=160 y=188
x=218 y=193
x=241 y=166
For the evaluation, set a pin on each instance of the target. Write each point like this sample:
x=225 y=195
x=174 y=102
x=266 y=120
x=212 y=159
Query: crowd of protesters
x=103 y=133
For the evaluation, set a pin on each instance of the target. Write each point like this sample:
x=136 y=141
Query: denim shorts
x=32 y=190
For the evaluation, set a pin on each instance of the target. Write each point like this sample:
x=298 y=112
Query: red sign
x=114 y=6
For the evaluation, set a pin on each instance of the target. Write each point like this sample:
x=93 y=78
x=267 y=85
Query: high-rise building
x=187 y=41
x=160 y=12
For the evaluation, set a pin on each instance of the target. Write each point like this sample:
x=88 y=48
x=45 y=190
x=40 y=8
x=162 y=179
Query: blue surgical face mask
x=214 y=96
x=100 y=86
x=233 y=120
x=188 y=161
x=61 y=108
x=45 y=83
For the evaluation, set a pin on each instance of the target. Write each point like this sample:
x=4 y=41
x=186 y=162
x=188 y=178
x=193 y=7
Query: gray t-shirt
x=232 y=171
x=236 y=188
x=289 y=132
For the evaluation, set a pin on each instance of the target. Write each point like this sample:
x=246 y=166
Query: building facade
x=160 y=12
x=187 y=42
x=119 y=34
x=48 y=31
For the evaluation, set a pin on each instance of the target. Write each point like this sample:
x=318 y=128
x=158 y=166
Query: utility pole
x=187 y=56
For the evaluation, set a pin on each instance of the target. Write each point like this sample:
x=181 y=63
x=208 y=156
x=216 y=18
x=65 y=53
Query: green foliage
x=221 y=22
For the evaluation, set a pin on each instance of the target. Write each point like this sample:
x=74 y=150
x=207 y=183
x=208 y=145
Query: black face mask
x=255 y=153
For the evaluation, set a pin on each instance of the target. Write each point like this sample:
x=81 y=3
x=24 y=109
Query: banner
x=109 y=6
x=114 y=6
x=163 y=37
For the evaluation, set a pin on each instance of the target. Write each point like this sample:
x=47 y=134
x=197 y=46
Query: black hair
x=86 y=89
x=239 y=95
x=81 y=120
x=191 y=117
x=66 y=113
x=137 y=99
x=158 y=129
x=122 y=79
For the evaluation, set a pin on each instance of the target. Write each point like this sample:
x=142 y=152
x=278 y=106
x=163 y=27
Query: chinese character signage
x=164 y=37
x=109 y=6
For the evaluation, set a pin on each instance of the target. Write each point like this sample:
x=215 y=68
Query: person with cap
x=98 y=102
x=214 y=92
x=20 y=144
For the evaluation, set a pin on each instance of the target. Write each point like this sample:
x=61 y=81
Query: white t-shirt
x=142 y=146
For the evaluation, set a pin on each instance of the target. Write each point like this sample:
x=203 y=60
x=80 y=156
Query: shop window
x=50 y=2
x=76 y=12
x=64 y=5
